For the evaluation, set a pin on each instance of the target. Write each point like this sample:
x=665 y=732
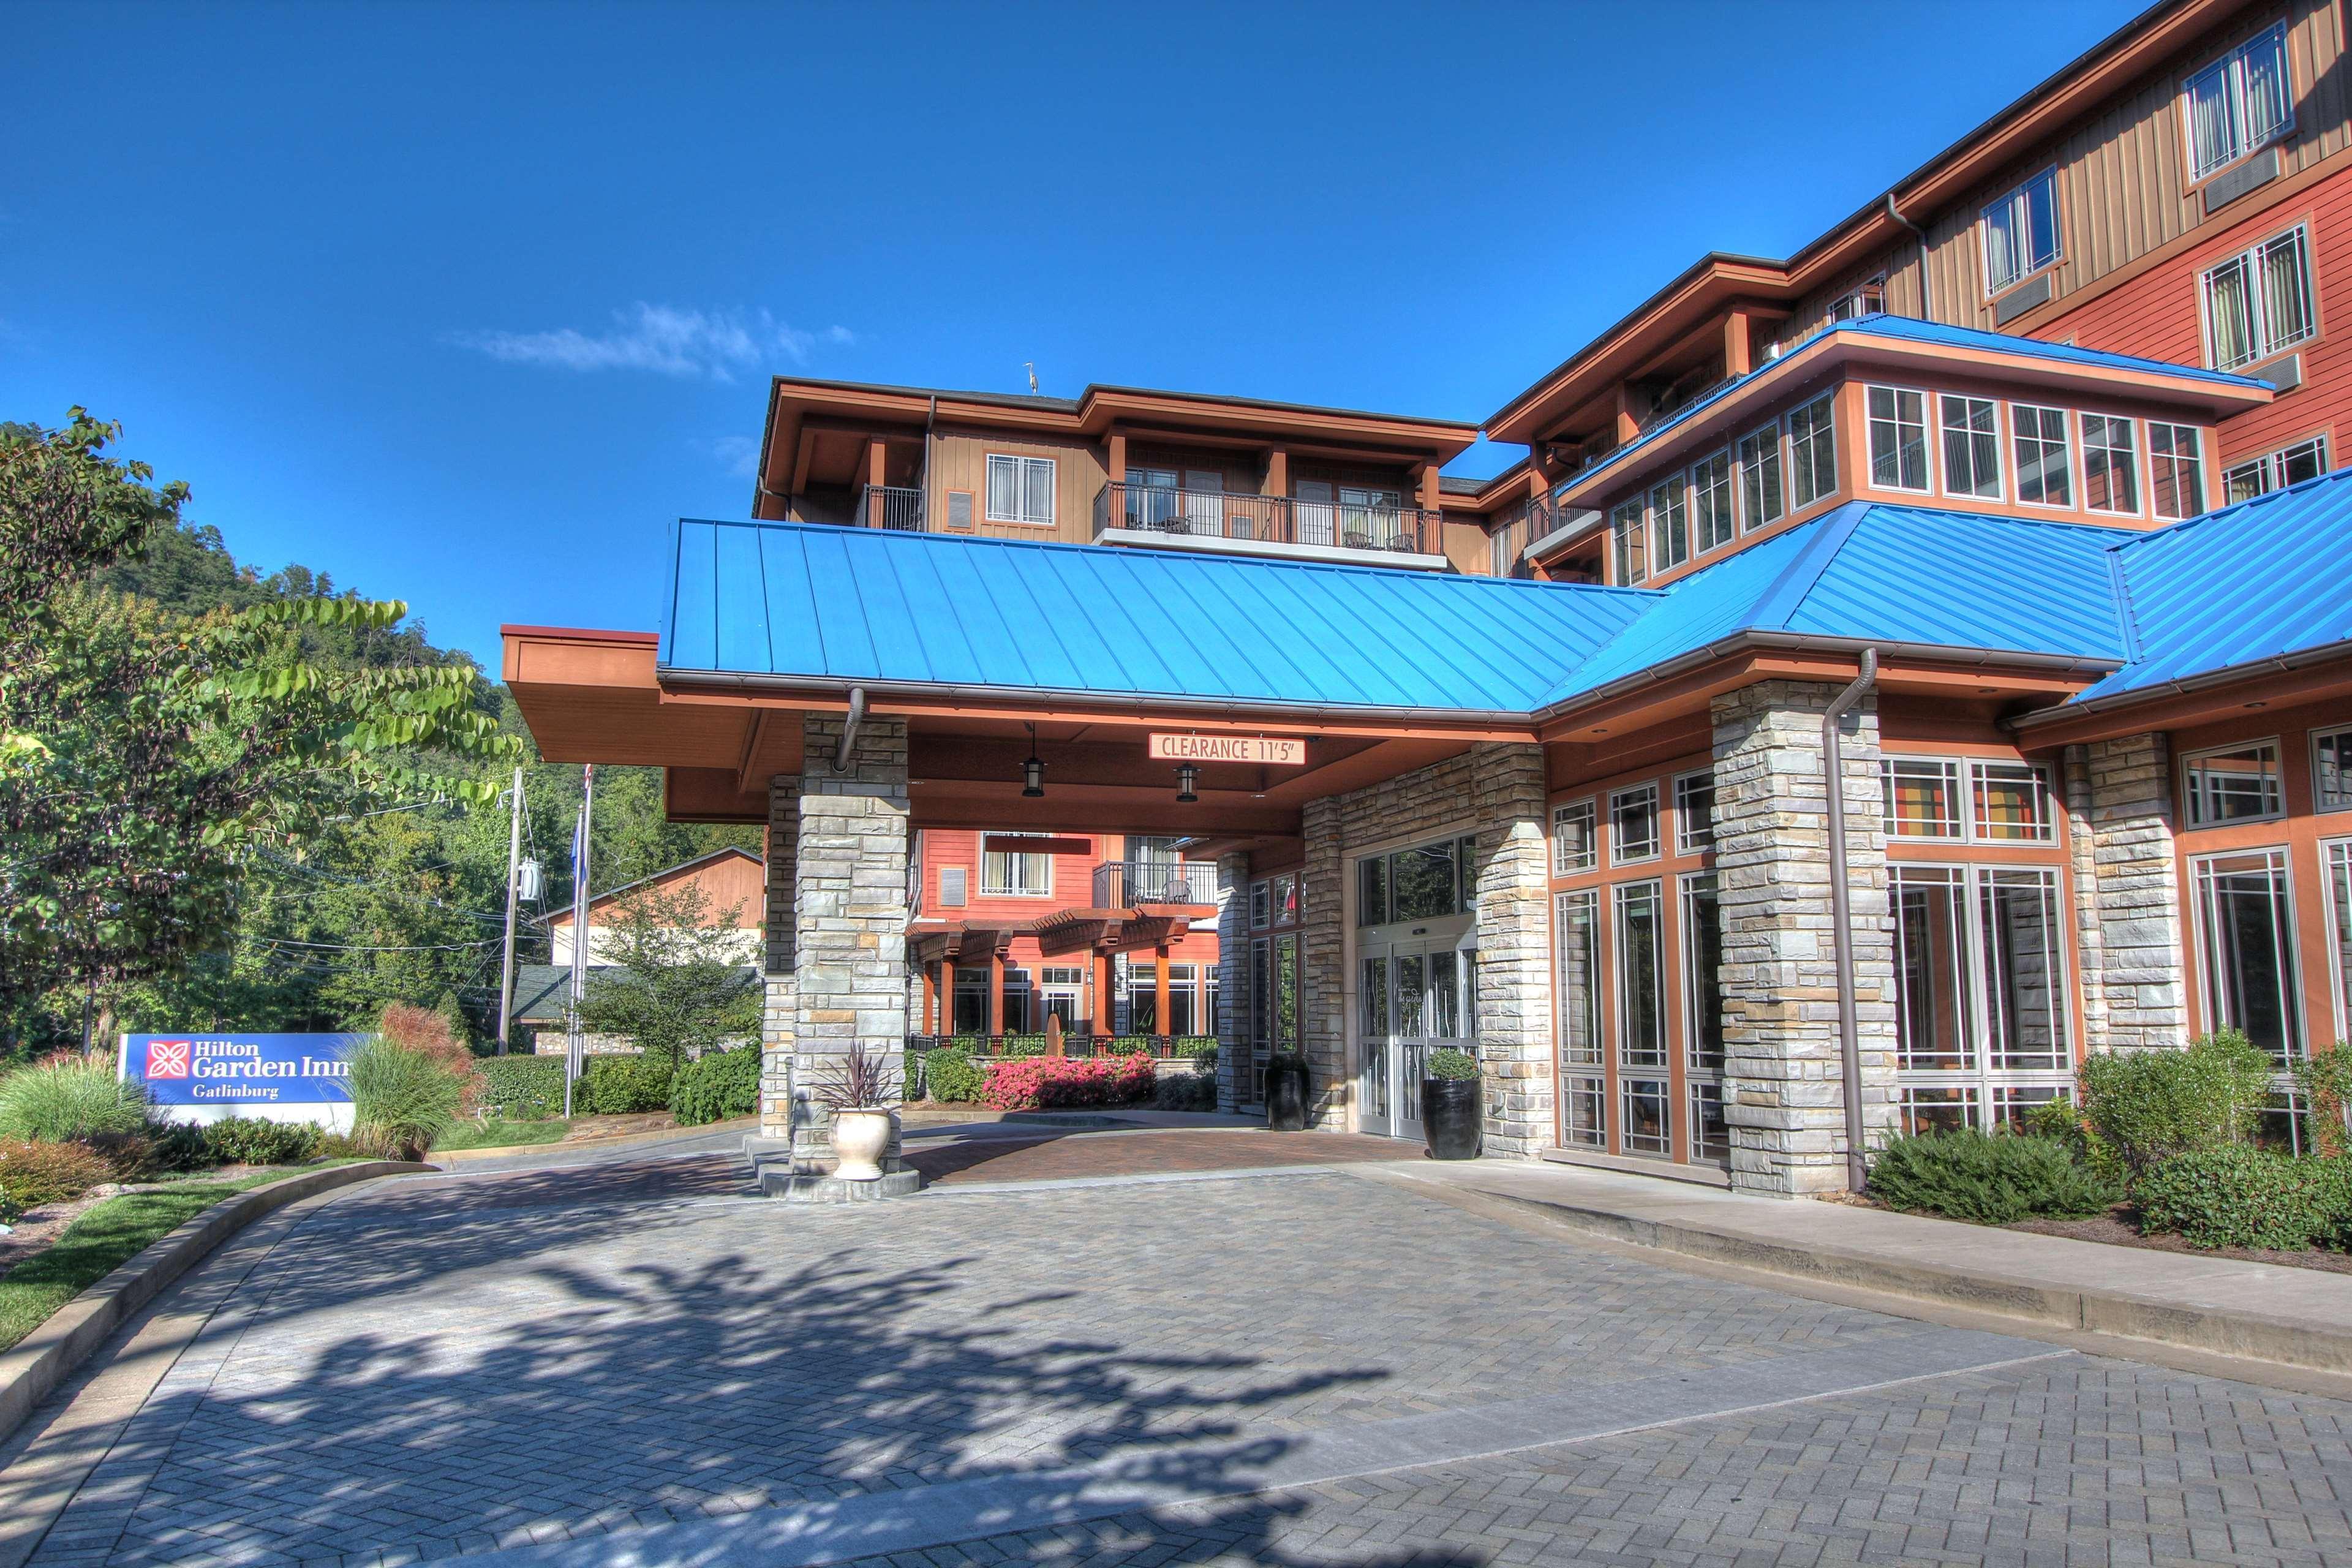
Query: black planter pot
x=1286 y=1096
x=1453 y=1117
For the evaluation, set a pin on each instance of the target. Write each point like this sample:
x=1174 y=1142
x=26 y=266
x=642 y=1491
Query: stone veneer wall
x=1784 y=1098
x=2140 y=977
x=779 y=1013
x=1497 y=790
x=1232 y=979
x=849 y=891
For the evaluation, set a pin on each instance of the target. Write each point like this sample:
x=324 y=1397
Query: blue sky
x=462 y=305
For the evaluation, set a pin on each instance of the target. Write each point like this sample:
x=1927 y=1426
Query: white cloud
x=664 y=339
x=740 y=453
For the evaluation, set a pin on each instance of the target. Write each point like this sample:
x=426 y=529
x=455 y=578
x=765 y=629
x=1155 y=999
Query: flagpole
x=573 y=1045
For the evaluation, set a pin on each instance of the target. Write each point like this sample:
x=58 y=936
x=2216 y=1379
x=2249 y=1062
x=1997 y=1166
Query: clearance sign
x=1264 y=750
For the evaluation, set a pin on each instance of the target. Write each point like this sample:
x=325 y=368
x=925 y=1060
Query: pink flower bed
x=1057 y=1083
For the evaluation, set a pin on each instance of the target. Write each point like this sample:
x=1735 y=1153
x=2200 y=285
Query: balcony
x=1126 y=884
x=888 y=506
x=1128 y=513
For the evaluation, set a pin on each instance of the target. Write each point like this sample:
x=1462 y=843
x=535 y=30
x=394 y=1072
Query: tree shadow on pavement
x=459 y=1366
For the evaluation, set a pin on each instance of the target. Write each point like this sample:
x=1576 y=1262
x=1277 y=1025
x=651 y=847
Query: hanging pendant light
x=1187 y=777
x=1032 y=771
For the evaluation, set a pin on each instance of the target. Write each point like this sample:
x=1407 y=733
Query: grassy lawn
x=101 y=1241
x=502 y=1135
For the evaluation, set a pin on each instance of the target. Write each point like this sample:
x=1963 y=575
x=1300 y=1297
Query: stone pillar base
x=782 y=1171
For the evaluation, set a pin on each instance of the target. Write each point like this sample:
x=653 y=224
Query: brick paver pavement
x=475 y=1364
x=1008 y=1153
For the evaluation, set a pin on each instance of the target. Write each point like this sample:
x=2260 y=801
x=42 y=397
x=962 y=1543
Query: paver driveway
x=629 y=1363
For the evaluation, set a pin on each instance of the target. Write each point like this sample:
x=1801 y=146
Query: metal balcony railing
x=1123 y=884
x=889 y=506
x=1233 y=514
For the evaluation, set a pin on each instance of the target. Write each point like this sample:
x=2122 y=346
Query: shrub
x=1195 y=1047
x=2325 y=1082
x=2149 y=1106
x=2063 y=1121
x=401 y=1097
x=430 y=1034
x=951 y=1077
x=1989 y=1180
x=716 y=1086
x=521 y=1088
x=1185 y=1091
x=179 y=1146
x=70 y=1096
x=622 y=1084
x=1021 y=1047
x=252 y=1140
x=1449 y=1063
x=1063 y=1082
x=33 y=1174
x=2233 y=1195
x=359 y=1143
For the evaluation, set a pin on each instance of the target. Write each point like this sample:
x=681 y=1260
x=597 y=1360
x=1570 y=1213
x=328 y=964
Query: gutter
x=1842 y=913
x=2184 y=686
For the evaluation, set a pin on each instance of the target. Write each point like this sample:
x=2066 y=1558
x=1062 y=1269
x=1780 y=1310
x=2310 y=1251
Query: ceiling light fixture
x=1032 y=771
x=1187 y=777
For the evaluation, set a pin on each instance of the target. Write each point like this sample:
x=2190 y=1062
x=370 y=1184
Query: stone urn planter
x=1453 y=1107
x=861 y=1137
x=1286 y=1092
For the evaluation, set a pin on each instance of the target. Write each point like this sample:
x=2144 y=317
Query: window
x=1576 y=917
x=2042 y=470
x=1702 y=973
x=2110 y=464
x=2238 y=784
x=1633 y=824
x=954 y=885
x=1921 y=796
x=1583 y=1108
x=1867 y=300
x=2338 y=860
x=2259 y=304
x=2020 y=232
x=2331 y=770
x=2305 y=460
x=1641 y=975
x=1574 y=848
x=1021 y=490
x=1061 y=990
x=1261 y=906
x=1761 y=499
x=2237 y=103
x=1626 y=533
x=1711 y=501
x=2011 y=804
x=1286 y=899
x=1648 y=1130
x=2246 y=944
x=1143 y=1000
x=1422 y=882
x=1261 y=996
x=1710 y=1134
x=1971 y=448
x=1898 y=439
x=1812 y=451
x=1669 y=527
x=1015 y=874
x=1372 y=890
x=1980 y=996
x=1694 y=813
x=2176 y=472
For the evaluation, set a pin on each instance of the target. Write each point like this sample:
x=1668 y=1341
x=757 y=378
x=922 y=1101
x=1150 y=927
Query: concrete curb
x=588 y=1145
x=44 y=1358
x=2213 y=1329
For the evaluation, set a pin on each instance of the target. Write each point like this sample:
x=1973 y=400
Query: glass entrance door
x=1413 y=998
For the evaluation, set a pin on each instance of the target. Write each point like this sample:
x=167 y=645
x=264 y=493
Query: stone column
x=849 y=882
x=2141 y=979
x=1783 y=1095
x=1233 y=978
x=779 y=1014
x=1322 y=966
x=2090 y=939
x=1514 y=975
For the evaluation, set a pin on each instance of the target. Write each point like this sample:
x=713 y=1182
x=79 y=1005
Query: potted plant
x=1453 y=1108
x=857 y=1088
x=1286 y=1092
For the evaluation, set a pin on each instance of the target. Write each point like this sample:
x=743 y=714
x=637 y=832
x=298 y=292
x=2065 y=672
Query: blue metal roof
x=814 y=601
x=811 y=602
x=1911 y=330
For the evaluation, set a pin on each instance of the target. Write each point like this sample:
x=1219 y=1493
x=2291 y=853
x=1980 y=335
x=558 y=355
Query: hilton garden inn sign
x=278 y=1077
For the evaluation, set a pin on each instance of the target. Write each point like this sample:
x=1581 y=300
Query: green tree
x=681 y=979
x=149 y=756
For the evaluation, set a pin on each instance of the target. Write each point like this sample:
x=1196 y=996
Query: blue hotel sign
x=241 y=1070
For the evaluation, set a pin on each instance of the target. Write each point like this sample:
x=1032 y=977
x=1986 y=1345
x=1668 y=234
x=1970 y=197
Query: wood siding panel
x=958 y=461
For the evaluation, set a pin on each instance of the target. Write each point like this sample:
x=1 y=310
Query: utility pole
x=573 y=1045
x=514 y=868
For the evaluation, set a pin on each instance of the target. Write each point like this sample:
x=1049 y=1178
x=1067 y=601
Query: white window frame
x=2339 y=914
x=1983 y=1081
x=2140 y=498
x=1261 y=904
x=1685 y=841
x=1825 y=429
x=2318 y=796
x=1929 y=447
x=1728 y=514
x=2263 y=340
x=1999 y=445
x=2270 y=469
x=2244 y=142
x=2200 y=503
x=1029 y=474
x=1620 y=894
x=1562 y=904
x=1629 y=542
x=1677 y=509
x=2191 y=797
x=2004 y=273
x=1590 y=808
x=2066 y=446
x=2046 y=823
x=1011 y=857
x=1954 y=770
x=2298 y=1044
x=1767 y=454
x=1617 y=856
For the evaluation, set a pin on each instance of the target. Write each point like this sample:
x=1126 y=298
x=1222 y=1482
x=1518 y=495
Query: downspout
x=1840 y=920
x=1926 y=303
x=849 y=730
